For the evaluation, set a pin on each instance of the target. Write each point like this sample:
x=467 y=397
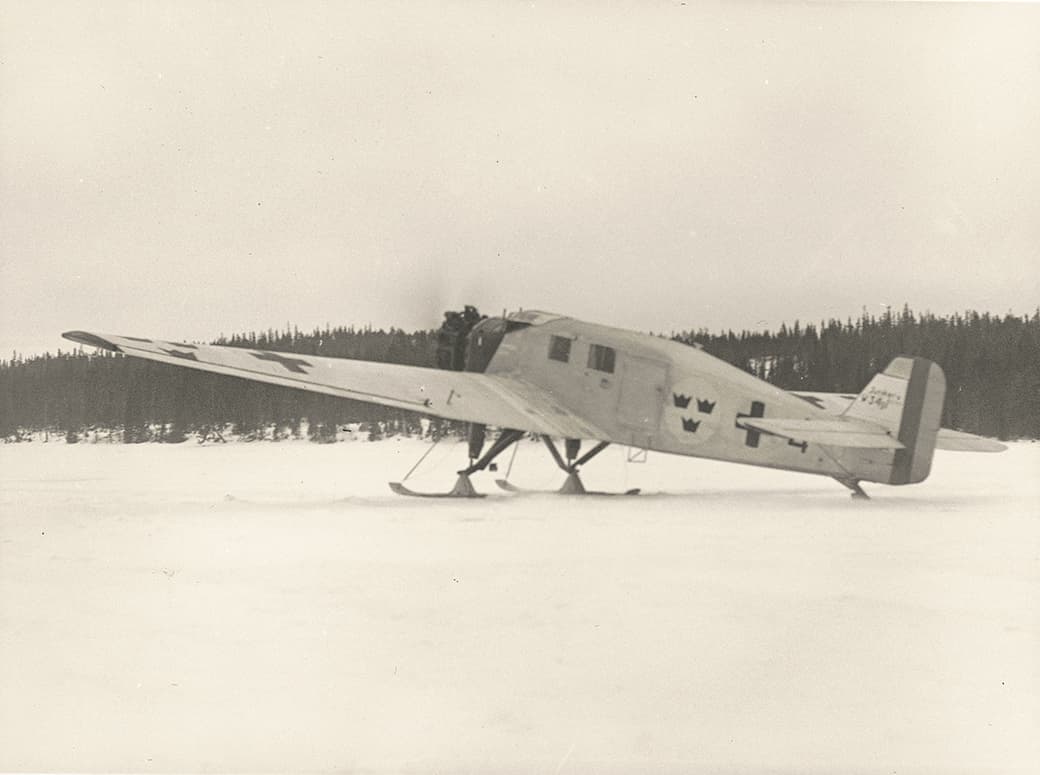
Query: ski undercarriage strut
x=573 y=484
x=463 y=487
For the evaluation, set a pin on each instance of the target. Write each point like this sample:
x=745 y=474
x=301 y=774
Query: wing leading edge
x=455 y=395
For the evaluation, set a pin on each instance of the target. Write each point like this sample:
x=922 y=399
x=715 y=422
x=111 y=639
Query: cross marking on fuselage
x=188 y=356
x=292 y=364
x=758 y=409
x=814 y=400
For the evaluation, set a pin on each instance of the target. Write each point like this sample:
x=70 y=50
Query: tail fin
x=907 y=400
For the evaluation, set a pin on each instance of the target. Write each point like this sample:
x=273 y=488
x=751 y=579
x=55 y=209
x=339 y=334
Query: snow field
x=273 y=607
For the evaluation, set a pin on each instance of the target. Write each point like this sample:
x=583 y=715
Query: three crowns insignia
x=682 y=401
x=704 y=406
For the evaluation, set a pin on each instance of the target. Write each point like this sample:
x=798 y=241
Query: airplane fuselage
x=652 y=393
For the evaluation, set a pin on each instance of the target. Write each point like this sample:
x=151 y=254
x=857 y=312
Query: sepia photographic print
x=519 y=387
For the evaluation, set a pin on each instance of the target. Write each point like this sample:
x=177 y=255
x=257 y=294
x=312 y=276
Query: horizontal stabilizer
x=832 y=433
x=959 y=441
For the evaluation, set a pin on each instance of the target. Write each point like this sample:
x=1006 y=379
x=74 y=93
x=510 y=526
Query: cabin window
x=601 y=358
x=560 y=349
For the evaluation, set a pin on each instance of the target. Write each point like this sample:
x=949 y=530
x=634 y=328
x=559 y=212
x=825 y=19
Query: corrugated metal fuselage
x=651 y=393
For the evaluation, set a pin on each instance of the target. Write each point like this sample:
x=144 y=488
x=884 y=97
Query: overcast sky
x=184 y=170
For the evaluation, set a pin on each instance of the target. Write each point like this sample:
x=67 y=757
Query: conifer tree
x=992 y=365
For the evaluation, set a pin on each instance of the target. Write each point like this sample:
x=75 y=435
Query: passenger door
x=641 y=399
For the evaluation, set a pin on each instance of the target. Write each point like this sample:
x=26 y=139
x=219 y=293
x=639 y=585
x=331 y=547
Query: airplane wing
x=834 y=433
x=498 y=400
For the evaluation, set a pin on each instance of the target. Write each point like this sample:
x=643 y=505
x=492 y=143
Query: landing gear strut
x=478 y=462
x=573 y=484
x=463 y=486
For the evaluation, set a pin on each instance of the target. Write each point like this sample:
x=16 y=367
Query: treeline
x=992 y=366
x=73 y=392
x=992 y=362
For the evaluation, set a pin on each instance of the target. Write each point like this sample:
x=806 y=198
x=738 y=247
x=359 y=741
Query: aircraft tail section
x=906 y=399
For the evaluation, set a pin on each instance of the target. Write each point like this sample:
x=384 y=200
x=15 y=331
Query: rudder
x=907 y=400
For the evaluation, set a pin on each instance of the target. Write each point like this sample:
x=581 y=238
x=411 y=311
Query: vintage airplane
x=536 y=372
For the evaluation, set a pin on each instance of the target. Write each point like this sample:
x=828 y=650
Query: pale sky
x=182 y=170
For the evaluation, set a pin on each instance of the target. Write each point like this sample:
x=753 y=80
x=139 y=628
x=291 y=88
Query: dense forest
x=992 y=366
x=72 y=393
x=992 y=363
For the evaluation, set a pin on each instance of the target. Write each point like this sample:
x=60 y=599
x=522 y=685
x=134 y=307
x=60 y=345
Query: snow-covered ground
x=273 y=607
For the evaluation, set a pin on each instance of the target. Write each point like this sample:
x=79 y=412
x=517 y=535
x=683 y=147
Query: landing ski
x=462 y=489
x=510 y=487
x=400 y=489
